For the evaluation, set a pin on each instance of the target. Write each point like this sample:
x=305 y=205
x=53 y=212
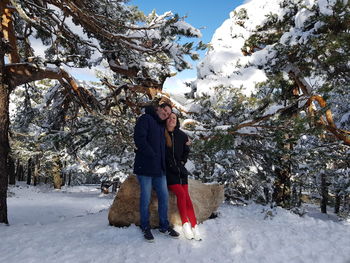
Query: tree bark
x=29 y=171
x=281 y=191
x=11 y=169
x=69 y=178
x=8 y=31
x=16 y=168
x=35 y=180
x=4 y=140
x=324 y=194
x=20 y=172
x=36 y=171
x=56 y=172
x=337 y=203
x=299 y=195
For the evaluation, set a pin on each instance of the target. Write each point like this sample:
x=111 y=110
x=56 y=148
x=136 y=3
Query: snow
x=326 y=6
x=71 y=225
x=230 y=64
x=182 y=25
x=301 y=17
x=273 y=109
x=225 y=64
x=248 y=130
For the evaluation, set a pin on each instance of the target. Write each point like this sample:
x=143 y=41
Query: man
x=149 y=167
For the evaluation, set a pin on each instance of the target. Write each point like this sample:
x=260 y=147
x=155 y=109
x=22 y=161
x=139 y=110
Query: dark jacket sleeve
x=140 y=136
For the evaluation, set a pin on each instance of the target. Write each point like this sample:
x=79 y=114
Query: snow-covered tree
x=139 y=49
x=276 y=84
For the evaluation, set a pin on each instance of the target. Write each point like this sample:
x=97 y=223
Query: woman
x=176 y=156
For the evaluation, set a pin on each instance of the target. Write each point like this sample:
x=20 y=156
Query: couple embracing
x=162 y=151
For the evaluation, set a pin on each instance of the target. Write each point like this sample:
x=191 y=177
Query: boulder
x=206 y=198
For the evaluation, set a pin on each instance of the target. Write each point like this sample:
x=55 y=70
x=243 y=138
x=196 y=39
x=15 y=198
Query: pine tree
x=139 y=49
x=279 y=136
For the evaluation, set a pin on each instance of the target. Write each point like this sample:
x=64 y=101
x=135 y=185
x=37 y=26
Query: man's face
x=163 y=113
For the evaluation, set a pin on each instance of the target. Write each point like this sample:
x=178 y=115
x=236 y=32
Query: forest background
x=267 y=113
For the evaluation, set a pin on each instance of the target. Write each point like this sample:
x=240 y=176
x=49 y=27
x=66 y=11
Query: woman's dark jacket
x=150 y=144
x=176 y=158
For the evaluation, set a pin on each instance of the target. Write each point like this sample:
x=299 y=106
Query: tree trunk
x=281 y=192
x=69 y=178
x=20 y=173
x=56 y=172
x=324 y=194
x=57 y=180
x=16 y=168
x=36 y=170
x=11 y=169
x=29 y=171
x=64 y=177
x=346 y=203
x=4 y=140
x=35 y=180
x=337 y=203
x=299 y=195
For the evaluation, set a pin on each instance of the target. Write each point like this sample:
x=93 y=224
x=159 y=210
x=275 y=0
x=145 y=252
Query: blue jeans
x=160 y=186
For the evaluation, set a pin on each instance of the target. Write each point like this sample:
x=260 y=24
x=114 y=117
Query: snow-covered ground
x=71 y=226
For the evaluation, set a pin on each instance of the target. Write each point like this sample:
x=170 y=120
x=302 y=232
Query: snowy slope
x=71 y=226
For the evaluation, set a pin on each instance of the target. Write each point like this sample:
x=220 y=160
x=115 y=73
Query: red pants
x=184 y=203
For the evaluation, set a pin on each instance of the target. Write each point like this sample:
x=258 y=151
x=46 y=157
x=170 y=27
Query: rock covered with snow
x=206 y=198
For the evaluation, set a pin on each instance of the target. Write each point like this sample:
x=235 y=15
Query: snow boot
x=196 y=233
x=186 y=228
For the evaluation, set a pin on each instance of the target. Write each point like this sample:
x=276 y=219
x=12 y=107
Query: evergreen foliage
x=270 y=147
x=88 y=129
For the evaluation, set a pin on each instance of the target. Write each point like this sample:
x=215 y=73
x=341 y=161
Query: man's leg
x=160 y=185
x=145 y=197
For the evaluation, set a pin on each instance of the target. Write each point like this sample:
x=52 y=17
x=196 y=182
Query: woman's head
x=172 y=122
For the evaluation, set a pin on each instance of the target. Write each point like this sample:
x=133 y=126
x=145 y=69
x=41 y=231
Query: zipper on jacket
x=173 y=142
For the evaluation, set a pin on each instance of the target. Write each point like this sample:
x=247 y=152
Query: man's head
x=163 y=111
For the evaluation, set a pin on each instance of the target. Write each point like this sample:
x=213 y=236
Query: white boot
x=186 y=228
x=196 y=234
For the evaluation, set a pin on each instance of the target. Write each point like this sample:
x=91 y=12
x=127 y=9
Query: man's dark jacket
x=150 y=143
x=176 y=158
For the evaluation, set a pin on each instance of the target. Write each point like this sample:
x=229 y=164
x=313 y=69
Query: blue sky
x=207 y=15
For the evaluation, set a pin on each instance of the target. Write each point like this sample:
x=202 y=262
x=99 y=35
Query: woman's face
x=171 y=121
